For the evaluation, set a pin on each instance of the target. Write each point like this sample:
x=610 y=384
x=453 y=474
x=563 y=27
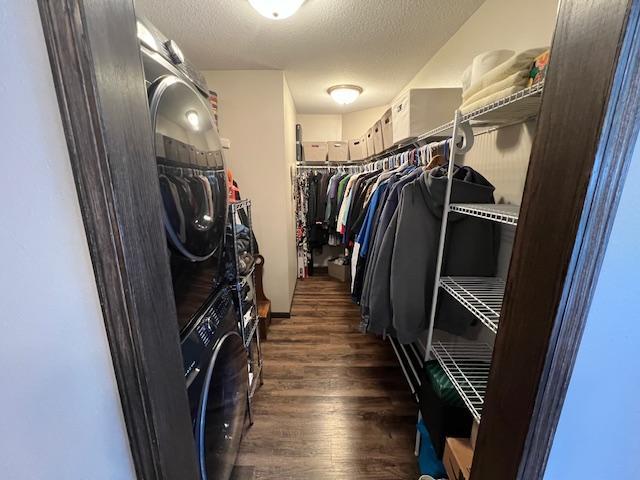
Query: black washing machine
x=215 y=362
x=193 y=187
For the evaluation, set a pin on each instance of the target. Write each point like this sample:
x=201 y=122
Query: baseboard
x=280 y=314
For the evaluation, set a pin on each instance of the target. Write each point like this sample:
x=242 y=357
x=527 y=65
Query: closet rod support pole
x=443 y=234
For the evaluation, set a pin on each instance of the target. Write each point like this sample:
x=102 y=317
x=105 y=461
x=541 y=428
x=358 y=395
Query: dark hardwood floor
x=334 y=404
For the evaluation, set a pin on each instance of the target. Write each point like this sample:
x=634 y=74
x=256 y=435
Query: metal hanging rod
x=389 y=161
x=188 y=170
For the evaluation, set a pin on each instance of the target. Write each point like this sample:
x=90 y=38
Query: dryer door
x=193 y=185
x=191 y=168
x=223 y=405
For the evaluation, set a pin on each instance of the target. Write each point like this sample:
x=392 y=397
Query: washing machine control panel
x=201 y=338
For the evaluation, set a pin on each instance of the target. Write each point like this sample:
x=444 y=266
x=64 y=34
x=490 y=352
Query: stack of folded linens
x=507 y=78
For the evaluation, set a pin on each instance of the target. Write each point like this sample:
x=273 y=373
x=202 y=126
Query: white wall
x=251 y=112
x=597 y=435
x=325 y=128
x=510 y=24
x=290 y=162
x=320 y=128
x=60 y=413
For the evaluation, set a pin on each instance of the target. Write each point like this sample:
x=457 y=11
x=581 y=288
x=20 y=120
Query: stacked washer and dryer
x=194 y=193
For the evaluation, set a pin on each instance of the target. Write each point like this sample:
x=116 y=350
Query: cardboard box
x=378 y=145
x=315 y=151
x=357 y=149
x=339 y=272
x=370 y=147
x=338 y=151
x=387 y=130
x=458 y=456
x=474 y=434
x=421 y=109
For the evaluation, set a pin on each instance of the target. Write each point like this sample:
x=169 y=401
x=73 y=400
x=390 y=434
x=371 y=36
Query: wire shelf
x=251 y=327
x=482 y=296
x=255 y=380
x=467 y=366
x=240 y=204
x=445 y=130
x=496 y=212
x=516 y=107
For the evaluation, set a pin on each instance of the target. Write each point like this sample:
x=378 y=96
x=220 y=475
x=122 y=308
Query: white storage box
x=422 y=109
x=338 y=151
x=365 y=150
x=357 y=149
x=387 y=130
x=378 y=144
x=315 y=151
x=370 y=147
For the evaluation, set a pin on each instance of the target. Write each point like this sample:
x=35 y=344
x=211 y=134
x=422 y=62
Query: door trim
x=586 y=129
x=97 y=72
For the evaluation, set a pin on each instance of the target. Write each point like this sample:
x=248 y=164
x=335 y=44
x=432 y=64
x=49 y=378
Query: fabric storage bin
x=421 y=109
x=370 y=147
x=365 y=148
x=378 y=145
x=387 y=130
x=315 y=151
x=339 y=271
x=338 y=151
x=357 y=149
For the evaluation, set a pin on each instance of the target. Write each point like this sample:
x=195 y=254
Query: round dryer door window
x=222 y=409
x=191 y=169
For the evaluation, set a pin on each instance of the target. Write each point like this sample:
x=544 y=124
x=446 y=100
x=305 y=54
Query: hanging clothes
x=401 y=286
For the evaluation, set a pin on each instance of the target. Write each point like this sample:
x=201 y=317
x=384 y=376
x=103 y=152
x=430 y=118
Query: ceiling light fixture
x=344 y=94
x=276 y=9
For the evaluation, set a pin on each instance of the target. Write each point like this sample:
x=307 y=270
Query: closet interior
x=428 y=241
x=330 y=232
x=413 y=218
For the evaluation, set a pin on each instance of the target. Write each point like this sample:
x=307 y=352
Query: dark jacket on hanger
x=386 y=215
x=409 y=253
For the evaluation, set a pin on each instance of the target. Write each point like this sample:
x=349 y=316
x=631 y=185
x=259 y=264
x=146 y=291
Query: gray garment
x=401 y=299
x=389 y=207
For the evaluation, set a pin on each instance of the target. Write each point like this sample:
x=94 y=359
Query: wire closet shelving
x=248 y=317
x=465 y=364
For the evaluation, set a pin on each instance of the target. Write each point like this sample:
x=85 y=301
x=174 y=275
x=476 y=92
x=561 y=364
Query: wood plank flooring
x=334 y=404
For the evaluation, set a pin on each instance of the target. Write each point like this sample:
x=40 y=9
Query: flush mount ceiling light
x=276 y=9
x=344 y=94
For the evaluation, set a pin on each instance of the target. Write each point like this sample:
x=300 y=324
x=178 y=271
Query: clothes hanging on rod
x=332 y=202
x=403 y=274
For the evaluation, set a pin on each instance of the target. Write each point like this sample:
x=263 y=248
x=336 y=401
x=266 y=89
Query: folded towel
x=518 y=79
x=489 y=99
x=516 y=63
x=466 y=79
x=487 y=61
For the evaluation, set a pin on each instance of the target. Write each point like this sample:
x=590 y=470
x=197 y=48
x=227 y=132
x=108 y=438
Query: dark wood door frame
x=586 y=131
x=97 y=72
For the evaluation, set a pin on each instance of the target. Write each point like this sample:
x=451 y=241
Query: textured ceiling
x=377 y=44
